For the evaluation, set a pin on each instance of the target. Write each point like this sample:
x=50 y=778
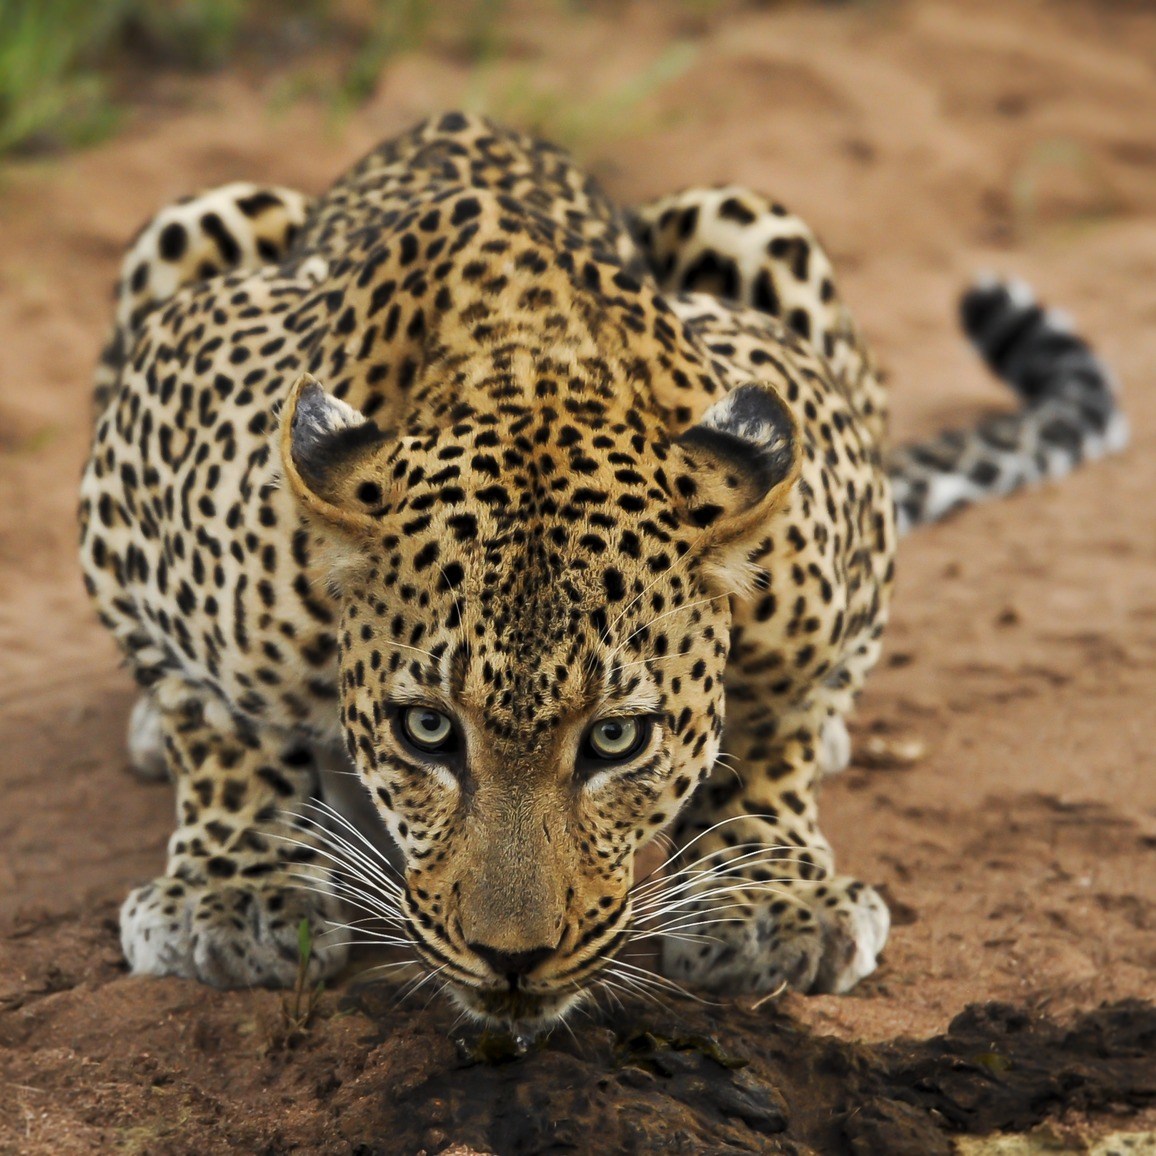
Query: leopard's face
x=523 y=737
x=531 y=685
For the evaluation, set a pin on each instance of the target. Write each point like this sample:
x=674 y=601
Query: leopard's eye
x=430 y=731
x=615 y=739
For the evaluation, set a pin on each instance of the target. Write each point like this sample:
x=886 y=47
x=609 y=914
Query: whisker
x=680 y=936
x=333 y=813
x=328 y=894
x=618 y=667
x=376 y=938
x=721 y=867
x=414 y=986
x=729 y=869
x=373 y=914
x=354 y=877
x=604 y=986
x=353 y=773
x=450 y=586
x=641 y=990
x=348 y=859
x=345 y=871
x=701 y=835
x=690 y=871
x=371 y=943
x=360 y=923
x=662 y=576
x=723 y=761
x=347 y=881
x=373 y=903
x=611 y=987
x=434 y=994
x=696 y=904
x=583 y=994
x=655 y=659
x=358 y=928
x=385 y=967
x=694 y=892
x=416 y=649
x=383 y=903
x=693 y=921
x=566 y=1025
x=646 y=976
x=659 y=993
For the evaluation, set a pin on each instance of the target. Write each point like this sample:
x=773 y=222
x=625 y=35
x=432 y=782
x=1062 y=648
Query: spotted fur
x=1069 y=411
x=461 y=436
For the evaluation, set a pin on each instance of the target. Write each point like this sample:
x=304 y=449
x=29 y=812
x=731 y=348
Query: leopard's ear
x=731 y=472
x=330 y=457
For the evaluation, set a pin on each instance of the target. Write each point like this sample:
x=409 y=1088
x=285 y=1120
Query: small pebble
x=890 y=752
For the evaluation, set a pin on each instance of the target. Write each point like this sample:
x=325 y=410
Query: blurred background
x=925 y=140
x=585 y=72
x=71 y=71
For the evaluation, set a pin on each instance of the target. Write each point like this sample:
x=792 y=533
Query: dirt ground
x=926 y=141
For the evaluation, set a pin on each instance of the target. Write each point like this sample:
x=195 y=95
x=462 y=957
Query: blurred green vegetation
x=64 y=63
x=577 y=123
x=58 y=58
x=45 y=86
x=69 y=67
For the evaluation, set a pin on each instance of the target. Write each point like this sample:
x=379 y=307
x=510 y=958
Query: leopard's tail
x=1068 y=414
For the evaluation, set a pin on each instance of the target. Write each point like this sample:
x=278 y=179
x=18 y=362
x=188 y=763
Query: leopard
x=467 y=534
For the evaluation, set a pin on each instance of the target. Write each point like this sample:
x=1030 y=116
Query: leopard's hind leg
x=747 y=249
x=757 y=901
x=246 y=866
x=230 y=228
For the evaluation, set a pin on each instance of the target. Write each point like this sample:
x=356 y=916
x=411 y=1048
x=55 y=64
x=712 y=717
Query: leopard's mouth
x=515 y=1008
x=528 y=1002
x=526 y=1005
x=521 y=1004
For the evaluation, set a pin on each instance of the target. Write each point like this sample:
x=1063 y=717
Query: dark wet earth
x=715 y=1080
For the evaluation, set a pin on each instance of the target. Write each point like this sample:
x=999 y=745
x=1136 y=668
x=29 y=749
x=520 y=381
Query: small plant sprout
x=301 y=1004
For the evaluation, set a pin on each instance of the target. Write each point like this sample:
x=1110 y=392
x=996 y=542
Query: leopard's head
x=534 y=628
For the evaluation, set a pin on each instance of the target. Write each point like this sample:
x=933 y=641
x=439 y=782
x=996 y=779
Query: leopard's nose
x=511 y=965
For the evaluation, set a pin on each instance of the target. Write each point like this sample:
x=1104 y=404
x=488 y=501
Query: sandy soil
x=925 y=140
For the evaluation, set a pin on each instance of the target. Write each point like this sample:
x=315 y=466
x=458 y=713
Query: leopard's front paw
x=814 y=937
x=226 y=936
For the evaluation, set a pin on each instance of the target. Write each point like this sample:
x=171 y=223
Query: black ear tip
x=319 y=418
x=748 y=440
x=755 y=413
x=753 y=402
